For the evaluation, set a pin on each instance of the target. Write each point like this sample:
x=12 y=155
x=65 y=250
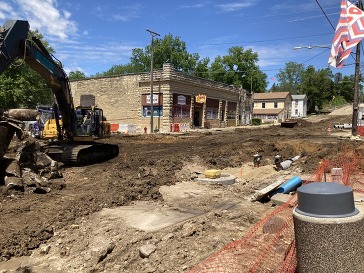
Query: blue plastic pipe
x=290 y=185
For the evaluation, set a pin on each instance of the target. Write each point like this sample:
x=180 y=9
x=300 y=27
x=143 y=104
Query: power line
x=269 y=40
x=287 y=13
x=325 y=14
x=315 y=56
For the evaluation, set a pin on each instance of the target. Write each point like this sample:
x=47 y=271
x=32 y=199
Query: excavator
x=76 y=142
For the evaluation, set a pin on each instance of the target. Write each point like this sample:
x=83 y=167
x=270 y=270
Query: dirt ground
x=106 y=217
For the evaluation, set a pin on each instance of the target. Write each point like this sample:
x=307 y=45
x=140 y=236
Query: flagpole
x=354 y=123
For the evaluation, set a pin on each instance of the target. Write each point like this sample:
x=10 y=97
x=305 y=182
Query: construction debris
x=260 y=194
x=8 y=127
x=29 y=170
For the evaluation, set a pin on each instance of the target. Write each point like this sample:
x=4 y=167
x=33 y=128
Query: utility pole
x=354 y=123
x=153 y=34
x=251 y=84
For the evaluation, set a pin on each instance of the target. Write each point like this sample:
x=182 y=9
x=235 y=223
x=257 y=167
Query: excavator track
x=81 y=154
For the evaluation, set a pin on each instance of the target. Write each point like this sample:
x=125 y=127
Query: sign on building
x=200 y=98
x=155 y=99
x=181 y=100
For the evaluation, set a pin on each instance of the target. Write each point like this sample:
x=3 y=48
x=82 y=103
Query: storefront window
x=181 y=111
x=231 y=114
x=157 y=111
x=211 y=113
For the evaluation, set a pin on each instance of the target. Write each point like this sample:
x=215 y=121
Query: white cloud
x=119 y=13
x=195 y=6
x=44 y=16
x=273 y=55
x=7 y=11
x=67 y=14
x=235 y=6
x=101 y=56
x=73 y=68
x=305 y=6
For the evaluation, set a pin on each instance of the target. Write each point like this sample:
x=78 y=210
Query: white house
x=299 y=106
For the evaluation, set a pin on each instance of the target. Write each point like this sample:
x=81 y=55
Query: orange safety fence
x=114 y=127
x=270 y=245
x=361 y=130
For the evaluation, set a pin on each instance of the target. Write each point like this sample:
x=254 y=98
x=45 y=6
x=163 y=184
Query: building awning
x=267 y=111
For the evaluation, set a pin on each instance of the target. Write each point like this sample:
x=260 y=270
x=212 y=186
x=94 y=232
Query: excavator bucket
x=10 y=34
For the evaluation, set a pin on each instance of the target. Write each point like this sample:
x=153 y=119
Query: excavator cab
x=91 y=124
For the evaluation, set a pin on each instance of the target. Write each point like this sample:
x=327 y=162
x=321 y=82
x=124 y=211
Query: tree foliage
x=290 y=78
x=76 y=75
x=239 y=67
x=322 y=87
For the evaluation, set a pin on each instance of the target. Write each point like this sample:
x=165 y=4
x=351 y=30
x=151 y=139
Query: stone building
x=180 y=101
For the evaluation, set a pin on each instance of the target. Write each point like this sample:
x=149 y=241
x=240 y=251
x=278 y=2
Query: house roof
x=270 y=95
x=274 y=111
x=298 y=97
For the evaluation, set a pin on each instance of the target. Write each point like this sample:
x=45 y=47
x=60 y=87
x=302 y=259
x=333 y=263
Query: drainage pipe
x=286 y=164
x=290 y=185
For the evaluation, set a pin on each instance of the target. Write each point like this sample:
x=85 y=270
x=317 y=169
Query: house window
x=263 y=104
x=296 y=112
x=275 y=104
x=296 y=103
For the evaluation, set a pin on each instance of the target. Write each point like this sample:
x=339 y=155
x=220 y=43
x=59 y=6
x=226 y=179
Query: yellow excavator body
x=50 y=129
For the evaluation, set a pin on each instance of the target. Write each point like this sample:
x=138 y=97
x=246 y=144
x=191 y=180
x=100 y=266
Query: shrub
x=256 y=121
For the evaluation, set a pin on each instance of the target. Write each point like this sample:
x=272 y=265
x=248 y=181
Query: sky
x=92 y=36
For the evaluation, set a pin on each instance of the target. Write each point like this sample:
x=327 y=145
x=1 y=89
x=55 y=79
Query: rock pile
x=30 y=170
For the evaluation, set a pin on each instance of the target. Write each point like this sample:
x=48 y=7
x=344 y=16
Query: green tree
x=202 y=69
x=168 y=50
x=319 y=88
x=118 y=70
x=291 y=77
x=322 y=87
x=76 y=75
x=239 y=67
x=345 y=88
x=140 y=60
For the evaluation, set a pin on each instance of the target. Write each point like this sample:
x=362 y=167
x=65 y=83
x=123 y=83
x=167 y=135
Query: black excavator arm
x=16 y=42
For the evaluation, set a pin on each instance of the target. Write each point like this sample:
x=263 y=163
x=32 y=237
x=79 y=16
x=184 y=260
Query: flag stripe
x=349 y=32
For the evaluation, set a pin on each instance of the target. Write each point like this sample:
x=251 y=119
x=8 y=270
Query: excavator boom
x=16 y=42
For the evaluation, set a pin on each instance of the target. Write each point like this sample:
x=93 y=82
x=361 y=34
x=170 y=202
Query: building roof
x=298 y=97
x=270 y=95
x=274 y=111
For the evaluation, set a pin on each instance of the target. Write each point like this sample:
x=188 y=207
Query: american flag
x=349 y=32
